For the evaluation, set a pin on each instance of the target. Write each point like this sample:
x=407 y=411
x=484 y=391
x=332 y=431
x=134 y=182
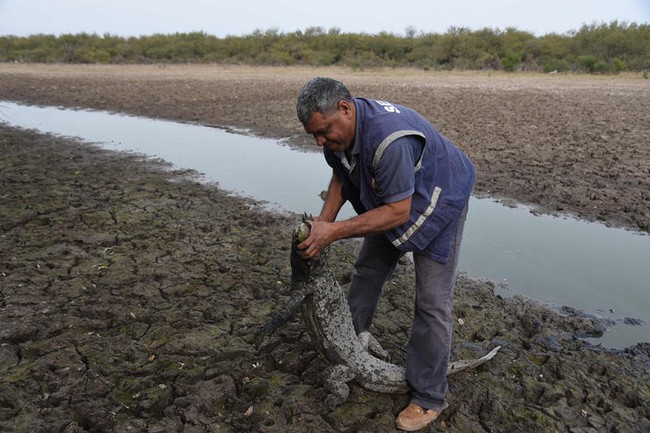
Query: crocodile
x=329 y=324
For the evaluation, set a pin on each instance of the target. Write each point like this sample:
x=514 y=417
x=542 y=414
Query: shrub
x=618 y=65
x=592 y=64
x=511 y=61
x=560 y=65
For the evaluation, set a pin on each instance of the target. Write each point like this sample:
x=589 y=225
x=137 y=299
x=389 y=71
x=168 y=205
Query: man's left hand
x=321 y=235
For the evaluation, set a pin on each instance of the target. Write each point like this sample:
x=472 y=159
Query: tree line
x=596 y=48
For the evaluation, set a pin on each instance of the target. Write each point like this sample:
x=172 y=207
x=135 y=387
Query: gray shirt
x=394 y=175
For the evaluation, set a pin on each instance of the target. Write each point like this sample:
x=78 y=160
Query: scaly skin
x=329 y=324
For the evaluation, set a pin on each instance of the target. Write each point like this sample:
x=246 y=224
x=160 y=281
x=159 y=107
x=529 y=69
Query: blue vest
x=444 y=176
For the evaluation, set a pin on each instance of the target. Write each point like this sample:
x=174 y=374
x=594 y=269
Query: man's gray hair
x=321 y=95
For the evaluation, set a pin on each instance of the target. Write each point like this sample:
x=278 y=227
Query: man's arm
x=333 y=201
x=395 y=177
x=378 y=220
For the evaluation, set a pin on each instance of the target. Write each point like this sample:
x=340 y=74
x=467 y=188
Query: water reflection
x=559 y=261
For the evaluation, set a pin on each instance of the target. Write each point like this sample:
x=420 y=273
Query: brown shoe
x=414 y=417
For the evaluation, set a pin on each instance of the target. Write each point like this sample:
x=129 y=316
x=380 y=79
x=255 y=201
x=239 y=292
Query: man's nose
x=320 y=140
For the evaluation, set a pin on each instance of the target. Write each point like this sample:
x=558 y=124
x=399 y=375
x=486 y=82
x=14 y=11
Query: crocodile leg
x=336 y=378
x=370 y=343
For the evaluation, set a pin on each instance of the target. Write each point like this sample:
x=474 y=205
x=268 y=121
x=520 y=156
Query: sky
x=241 y=17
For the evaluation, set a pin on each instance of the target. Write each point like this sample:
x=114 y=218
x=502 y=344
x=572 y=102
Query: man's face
x=335 y=131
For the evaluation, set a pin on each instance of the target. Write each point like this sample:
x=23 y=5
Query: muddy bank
x=576 y=144
x=130 y=297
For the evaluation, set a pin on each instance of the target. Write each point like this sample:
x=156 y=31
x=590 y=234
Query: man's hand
x=320 y=236
x=378 y=220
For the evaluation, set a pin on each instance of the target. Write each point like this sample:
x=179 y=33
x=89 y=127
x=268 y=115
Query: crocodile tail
x=284 y=316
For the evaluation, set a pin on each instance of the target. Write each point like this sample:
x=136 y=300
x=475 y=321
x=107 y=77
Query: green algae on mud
x=131 y=296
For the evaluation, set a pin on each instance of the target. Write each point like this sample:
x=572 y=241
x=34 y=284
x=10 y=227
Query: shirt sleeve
x=395 y=173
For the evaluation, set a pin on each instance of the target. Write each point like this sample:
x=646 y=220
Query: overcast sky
x=241 y=17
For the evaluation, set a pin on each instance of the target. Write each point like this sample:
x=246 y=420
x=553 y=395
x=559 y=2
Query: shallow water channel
x=559 y=261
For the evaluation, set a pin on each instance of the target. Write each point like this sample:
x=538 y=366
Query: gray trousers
x=430 y=340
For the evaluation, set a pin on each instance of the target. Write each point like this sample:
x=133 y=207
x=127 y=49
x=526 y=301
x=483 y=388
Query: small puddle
x=559 y=261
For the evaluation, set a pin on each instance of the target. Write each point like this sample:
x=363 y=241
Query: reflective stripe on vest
x=388 y=140
x=436 y=192
x=417 y=224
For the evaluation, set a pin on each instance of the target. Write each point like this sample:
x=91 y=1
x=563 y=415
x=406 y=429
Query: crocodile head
x=302 y=270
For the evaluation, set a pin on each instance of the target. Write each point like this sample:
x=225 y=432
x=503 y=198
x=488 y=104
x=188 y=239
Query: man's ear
x=345 y=107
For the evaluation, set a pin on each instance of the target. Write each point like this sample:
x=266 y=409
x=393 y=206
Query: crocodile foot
x=370 y=343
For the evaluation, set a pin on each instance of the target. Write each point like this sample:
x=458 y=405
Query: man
x=410 y=187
